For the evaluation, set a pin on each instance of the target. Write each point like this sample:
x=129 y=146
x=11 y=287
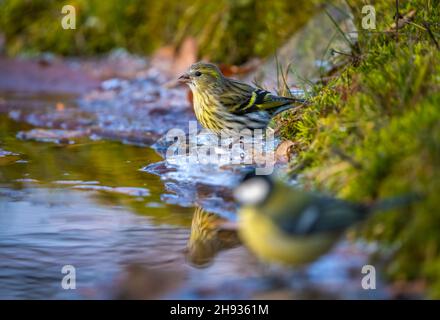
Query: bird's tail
x=299 y=100
x=290 y=103
x=395 y=202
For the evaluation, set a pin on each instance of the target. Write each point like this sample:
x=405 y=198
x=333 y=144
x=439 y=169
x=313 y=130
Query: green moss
x=374 y=132
x=227 y=31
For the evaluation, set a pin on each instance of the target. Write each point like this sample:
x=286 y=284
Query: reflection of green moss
x=228 y=31
x=374 y=132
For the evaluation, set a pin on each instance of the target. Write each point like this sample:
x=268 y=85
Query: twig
x=397 y=17
x=426 y=25
x=349 y=42
x=401 y=22
x=347 y=158
x=343 y=53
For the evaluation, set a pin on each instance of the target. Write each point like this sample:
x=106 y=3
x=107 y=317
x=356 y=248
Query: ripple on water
x=39 y=237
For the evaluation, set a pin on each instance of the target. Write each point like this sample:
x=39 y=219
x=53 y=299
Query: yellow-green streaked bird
x=210 y=234
x=285 y=225
x=226 y=105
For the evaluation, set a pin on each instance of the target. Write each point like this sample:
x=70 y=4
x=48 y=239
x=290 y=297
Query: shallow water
x=49 y=218
x=90 y=204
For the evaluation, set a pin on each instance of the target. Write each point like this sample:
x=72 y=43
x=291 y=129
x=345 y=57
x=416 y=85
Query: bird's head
x=254 y=190
x=202 y=76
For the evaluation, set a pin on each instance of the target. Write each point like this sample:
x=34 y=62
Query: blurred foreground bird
x=223 y=104
x=292 y=227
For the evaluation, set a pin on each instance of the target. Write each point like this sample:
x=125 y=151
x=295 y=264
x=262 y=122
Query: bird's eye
x=197 y=73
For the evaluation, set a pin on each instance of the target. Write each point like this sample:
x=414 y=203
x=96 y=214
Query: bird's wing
x=337 y=214
x=241 y=98
x=321 y=215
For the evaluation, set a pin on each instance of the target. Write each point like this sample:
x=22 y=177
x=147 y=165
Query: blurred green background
x=226 y=30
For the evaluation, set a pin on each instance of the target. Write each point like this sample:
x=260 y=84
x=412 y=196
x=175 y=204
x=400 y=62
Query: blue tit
x=284 y=224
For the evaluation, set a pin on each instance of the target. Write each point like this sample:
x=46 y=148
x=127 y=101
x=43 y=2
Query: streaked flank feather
x=224 y=104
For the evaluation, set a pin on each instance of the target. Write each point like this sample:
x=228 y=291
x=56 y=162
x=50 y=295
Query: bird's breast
x=270 y=244
x=208 y=111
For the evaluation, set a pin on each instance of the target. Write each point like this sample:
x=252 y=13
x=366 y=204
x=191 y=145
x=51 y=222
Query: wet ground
x=83 y=182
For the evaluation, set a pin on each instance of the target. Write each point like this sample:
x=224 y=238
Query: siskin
x=226 y=105
x=292 y=227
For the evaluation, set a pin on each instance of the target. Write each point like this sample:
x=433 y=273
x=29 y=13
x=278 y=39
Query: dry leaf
x=60 y=106
x=186 y=56
x=284 y=151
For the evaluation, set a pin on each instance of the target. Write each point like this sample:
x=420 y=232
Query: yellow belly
x=270 y=244
x=204 y=109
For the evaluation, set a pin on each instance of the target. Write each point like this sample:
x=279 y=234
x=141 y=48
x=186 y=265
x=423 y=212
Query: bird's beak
x=184 y=78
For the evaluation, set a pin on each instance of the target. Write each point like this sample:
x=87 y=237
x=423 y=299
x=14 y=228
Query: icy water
x=90 y=206
x=91 y=203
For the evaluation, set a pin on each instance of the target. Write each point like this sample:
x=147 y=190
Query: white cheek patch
x=252 y=192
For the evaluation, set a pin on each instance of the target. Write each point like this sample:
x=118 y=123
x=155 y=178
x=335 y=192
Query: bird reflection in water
x=210 y=234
